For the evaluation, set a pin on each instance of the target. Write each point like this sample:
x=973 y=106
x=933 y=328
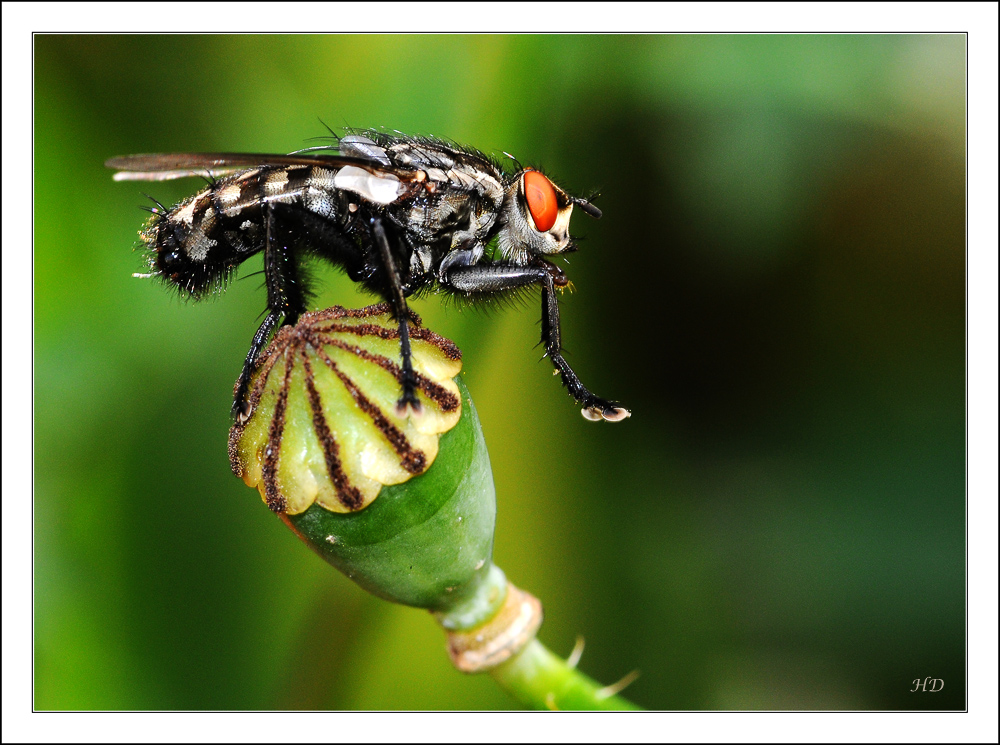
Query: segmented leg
x=408 y=399
x=499 y=276
x=241 y=407
x=285 y=301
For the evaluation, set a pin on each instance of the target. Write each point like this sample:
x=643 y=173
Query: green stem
x=540 y=680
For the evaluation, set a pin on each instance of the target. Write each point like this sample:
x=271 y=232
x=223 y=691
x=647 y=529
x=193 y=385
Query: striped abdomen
x=198 y=243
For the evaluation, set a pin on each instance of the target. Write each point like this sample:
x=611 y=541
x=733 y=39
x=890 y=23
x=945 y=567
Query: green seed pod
x=402 y=502
x=352 y=476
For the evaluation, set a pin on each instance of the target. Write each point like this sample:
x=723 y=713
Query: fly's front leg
x=408 y=399
x=491 y=278
x=285 y=299
x=594 y=407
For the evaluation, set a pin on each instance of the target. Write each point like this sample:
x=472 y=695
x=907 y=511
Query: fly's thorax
x=441 y=166
x=536 y=215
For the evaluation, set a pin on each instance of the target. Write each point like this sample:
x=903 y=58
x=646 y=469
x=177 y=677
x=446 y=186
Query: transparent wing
x=167 y=166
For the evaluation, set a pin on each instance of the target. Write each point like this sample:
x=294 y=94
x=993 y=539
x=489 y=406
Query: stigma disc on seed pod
x=324 y=426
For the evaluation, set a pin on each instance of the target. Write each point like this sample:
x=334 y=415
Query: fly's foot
x=241 y=404
x=597 y=409
x=408 y=403
x=242 y=411
x=406 y=407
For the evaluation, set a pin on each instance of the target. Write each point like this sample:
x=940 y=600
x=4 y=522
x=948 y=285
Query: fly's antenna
x=586 y=206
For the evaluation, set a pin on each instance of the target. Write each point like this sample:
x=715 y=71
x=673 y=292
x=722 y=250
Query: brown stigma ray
x=327 y=321
x=285 y=338
x=448 y=347
x=445 y=399
x=269 y=469
x=265 y=365
x=347 y=493
x=379 y=309
x=412 y=460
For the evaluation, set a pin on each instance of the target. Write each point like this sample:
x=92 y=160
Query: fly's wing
x=167 y=166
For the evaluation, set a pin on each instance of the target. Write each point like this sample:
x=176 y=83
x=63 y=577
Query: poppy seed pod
x=400 y=499
x=401 y=502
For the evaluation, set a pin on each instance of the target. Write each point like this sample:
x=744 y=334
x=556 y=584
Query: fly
x=399 y=214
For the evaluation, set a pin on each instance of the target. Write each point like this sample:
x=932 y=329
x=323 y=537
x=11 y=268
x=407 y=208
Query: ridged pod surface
x=325 y=427
x=330 y=453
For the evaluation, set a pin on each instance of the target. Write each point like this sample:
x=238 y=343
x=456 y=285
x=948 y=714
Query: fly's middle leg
x=408 y=400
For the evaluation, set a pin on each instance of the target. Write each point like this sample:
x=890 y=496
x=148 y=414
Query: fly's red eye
x=541 y=198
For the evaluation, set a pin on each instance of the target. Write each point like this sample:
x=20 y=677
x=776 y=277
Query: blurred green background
x=776 y=290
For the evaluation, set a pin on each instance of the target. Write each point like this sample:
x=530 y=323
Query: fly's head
x=536 y=216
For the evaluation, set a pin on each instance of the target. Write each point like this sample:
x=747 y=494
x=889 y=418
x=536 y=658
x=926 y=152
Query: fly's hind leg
x=241 y=405
x=408 y=400
x=286 y=301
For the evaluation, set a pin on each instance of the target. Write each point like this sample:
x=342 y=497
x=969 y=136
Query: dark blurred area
x=776 y=290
